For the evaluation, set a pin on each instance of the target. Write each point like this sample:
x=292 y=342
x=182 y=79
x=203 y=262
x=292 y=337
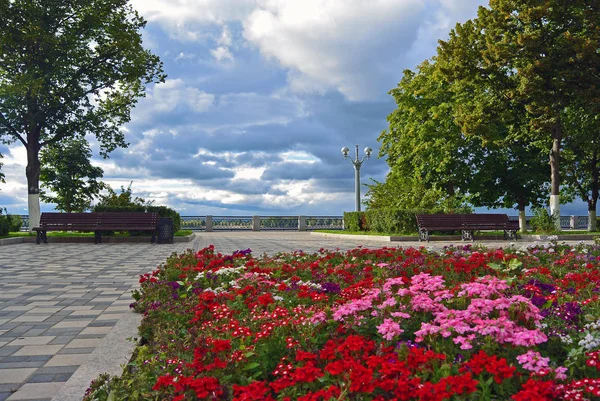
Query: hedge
x=386 y=220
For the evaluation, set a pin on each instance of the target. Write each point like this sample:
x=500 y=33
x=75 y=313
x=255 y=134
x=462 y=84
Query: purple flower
x=331 y=287
x=174 y=285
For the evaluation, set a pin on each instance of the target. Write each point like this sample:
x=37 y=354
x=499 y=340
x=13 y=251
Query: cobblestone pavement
x=58 y=301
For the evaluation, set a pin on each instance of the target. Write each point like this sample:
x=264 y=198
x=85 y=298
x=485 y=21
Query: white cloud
x=171 y=95
x=357 y=47
x=222 y=53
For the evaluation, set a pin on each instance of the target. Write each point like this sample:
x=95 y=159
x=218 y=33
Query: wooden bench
x=65 y=222
x=96 y=222
x=489 y=221
x=128 y=221
x=466 y=223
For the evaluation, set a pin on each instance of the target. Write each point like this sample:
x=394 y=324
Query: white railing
x=301 y=223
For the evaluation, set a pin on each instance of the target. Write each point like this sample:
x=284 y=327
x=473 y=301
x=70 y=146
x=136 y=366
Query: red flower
x=535 y=390
x=256 y=391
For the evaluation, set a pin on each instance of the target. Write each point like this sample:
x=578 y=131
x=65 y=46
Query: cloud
x=356 y=47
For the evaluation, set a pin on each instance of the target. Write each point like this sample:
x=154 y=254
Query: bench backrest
x=446 y=221
x=72 y=221
x=128 y=221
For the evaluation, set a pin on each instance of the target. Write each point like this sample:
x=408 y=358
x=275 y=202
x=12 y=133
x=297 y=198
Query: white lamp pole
x=357 y=163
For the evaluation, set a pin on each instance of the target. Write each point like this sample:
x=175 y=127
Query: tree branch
x=12 y=129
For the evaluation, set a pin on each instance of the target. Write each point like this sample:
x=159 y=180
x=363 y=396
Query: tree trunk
x=555 y=174
x=522 y=220
x=33 y=182
x=593 y=201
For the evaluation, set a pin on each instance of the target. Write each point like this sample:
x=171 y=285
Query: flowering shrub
x=384 y=324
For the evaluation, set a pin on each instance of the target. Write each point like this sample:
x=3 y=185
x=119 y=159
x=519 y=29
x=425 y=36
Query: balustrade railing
x=325 y=223
x=301 y=223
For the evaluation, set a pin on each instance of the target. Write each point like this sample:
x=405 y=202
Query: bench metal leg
x=153 y=239
x=38 y=237
x=423 y=235
x=468 y=235
x=97 y=237
x=510 y=234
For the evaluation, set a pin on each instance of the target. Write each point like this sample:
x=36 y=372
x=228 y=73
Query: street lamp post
x=357 y=163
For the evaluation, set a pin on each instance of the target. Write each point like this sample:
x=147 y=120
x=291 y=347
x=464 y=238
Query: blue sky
x=260 y=97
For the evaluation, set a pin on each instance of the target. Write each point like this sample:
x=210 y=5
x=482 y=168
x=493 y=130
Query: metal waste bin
x=165 y=230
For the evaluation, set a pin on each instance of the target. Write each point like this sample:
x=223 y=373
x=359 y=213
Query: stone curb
x=526 y=237
x=107 y=240
x=109 y=357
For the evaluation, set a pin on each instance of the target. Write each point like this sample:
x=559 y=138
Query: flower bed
x=385 y=324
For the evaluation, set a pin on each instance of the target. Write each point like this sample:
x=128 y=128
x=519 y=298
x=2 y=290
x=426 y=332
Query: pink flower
x=389 y=329
x=533 y=361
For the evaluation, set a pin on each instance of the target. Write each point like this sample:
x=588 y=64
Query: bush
x=164 y=211
x=4 y=225
x=353 y=221
x=542 y=221
x=15 y=222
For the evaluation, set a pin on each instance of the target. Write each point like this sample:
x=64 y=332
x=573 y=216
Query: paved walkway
x=66 y=306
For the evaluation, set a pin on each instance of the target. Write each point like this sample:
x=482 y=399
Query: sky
x=260 y=97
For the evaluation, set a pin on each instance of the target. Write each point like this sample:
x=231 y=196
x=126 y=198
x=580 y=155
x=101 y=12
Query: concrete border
x=523 y=237
x=106 y=240
x=112 y=353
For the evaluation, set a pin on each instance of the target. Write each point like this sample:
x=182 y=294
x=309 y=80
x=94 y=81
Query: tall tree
x=68 y=173
x=1 y=174
x=69 y=66
x=422 y=142
x=427 y=149
x=541 y=55
x=581 y=157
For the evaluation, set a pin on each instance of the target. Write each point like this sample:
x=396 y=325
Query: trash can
x=165 y=230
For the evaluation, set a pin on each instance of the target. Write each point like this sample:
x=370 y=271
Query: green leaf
x=251 y=366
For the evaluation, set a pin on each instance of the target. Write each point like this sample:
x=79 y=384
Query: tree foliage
x=530 y=60
x=68 y=173
x=507 y=89
x=435 y=162
x=67 y=68
x=121 y=200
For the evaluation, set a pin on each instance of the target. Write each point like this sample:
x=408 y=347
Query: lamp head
x=345 y=151
x=368 y=152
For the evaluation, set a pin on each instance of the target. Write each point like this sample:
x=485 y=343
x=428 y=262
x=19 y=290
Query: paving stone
x=31 y=350
x=95 y=330
x=83 y=343
x=15 y=375
x=55 y=370
x=30 y=318
x=67 y=360
x=36 y=391
x=72 y=324
x=42 y=340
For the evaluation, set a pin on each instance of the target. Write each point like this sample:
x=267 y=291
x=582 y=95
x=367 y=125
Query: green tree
x=66 y=67
x=581 y=158
x=1 y=174
x=431 y=157
x=67 y=172
x=540 y=56
x=123 y=199
x=423 y=145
